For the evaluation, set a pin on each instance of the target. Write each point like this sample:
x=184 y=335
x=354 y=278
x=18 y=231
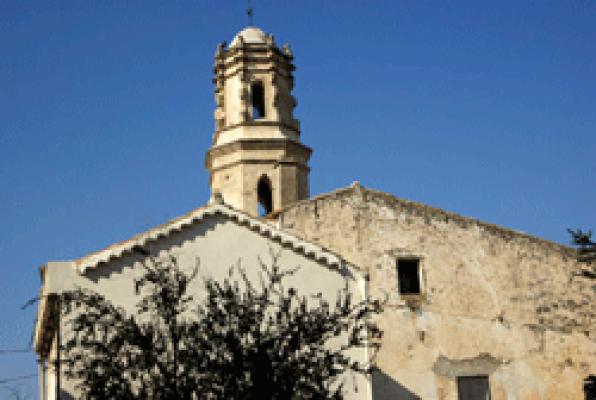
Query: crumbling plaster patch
x=482 y=364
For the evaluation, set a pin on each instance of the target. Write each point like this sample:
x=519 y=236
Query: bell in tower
x=256 y=162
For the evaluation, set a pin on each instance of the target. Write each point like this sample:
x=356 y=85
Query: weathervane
x=249 y=13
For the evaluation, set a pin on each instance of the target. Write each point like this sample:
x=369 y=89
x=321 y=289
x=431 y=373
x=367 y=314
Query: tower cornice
x=290 y=147
x=295 y=128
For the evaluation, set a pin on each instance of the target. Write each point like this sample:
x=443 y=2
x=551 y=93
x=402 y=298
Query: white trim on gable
x=299 y=245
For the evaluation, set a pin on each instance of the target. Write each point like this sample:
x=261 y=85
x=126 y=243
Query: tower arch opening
x=257 y=95
x=265 y=195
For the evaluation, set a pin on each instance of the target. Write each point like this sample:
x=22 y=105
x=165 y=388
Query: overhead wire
x=13 y=351
x=17 y=378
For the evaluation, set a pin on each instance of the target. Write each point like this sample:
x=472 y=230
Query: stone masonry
x=250 y=146
x=493 y=301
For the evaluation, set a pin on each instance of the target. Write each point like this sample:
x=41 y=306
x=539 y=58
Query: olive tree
x=246 y=340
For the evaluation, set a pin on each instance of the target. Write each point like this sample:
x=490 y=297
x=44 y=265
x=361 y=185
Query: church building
x=474 y=310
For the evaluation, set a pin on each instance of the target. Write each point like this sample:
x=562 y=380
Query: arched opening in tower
x=265 y=196
x=258 y=100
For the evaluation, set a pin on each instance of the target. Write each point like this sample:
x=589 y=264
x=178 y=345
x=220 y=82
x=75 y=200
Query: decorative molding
x=288 y=145
x=261 y=122
x=299 y=165
x=123 y=248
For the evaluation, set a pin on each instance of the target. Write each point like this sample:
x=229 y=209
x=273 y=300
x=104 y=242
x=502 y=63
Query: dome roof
x=251 y=35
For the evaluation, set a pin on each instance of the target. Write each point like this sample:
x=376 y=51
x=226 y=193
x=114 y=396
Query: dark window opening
x=590 y=387
x=408 y=276
x=473 y=388
x=265 y=196
x=258 y=100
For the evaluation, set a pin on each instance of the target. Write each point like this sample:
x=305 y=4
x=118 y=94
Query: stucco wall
x=218 y=243
x=494 y=302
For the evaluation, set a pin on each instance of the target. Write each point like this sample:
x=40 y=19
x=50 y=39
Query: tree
x=245 y=341
x=583 y=243
x=586 y=254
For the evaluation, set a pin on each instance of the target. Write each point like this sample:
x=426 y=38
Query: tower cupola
x=256 y=162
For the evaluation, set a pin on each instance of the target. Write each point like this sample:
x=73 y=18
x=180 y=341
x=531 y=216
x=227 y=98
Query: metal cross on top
x=249 y=13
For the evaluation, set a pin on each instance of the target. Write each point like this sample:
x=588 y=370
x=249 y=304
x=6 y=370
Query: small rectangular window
x=408 y=276
x=473 y=388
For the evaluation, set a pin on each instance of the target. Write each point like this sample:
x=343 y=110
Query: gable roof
x=430 y=212
x=122 y=248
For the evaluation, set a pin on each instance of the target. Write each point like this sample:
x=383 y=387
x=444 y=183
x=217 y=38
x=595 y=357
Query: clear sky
x=487 y=109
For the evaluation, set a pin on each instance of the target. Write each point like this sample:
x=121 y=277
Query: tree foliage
x=244 y=341
x=586 y=253
x=586 y=247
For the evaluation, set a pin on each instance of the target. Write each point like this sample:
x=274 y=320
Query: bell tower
x=256 y=162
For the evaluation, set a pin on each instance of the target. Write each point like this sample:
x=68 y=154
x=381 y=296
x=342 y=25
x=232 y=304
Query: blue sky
x=487 y=109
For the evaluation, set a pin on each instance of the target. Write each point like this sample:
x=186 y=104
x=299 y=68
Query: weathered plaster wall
x=494 y=302
x=218 y=243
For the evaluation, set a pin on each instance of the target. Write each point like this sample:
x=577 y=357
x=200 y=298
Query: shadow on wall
x=64 y=395
x=386 y=388
x=590 y=387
